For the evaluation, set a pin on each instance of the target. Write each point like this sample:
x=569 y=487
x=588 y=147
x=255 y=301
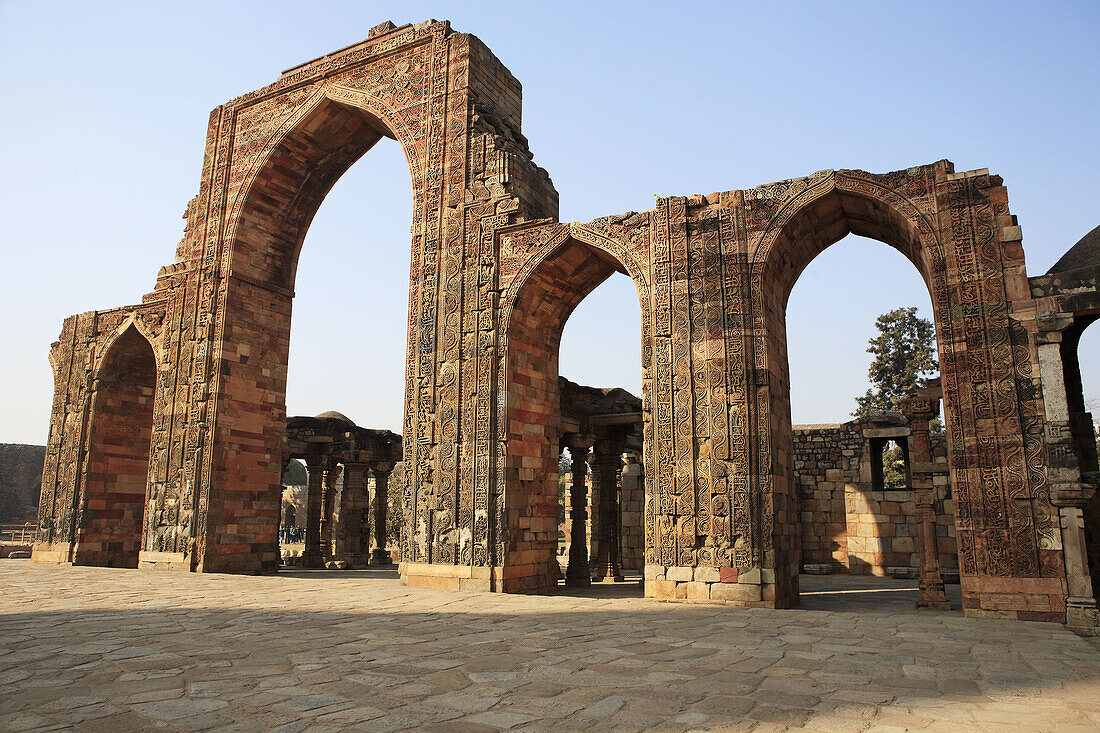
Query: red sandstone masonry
x=493 y=277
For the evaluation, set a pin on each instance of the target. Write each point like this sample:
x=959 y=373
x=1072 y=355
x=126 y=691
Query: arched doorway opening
x=816 y=225
x=347 y=351
x=601 y=477
x=113 y=517
x=281 y=198
x=853 y=473
x=1083 y=402
x=537 y=432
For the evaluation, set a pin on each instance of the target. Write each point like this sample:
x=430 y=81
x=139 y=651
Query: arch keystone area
x=493 y=275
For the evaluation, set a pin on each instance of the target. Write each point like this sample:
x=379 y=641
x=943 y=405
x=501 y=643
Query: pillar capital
x=579 y=444
x=1051 y=324
x=1072 y=494
x=382 y=467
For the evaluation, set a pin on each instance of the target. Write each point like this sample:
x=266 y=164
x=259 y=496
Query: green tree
x=893 y=467
x=905 y=357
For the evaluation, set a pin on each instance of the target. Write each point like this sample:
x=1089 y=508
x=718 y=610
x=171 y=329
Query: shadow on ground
x=105 y=649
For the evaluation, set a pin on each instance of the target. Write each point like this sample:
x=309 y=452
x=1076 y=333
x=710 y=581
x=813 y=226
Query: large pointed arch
x=112 y=508
x=536 y=306
x=830 y=207
x=281 y=192
x=304 y=158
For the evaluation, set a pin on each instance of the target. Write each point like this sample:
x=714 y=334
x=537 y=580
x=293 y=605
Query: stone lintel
x=899 y=432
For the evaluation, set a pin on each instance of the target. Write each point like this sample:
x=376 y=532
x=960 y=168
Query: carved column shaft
x=328 y=500
x=1067 y=490
x=353 y=499
x=579 y=572
x=380 y=555
x=606 y=473
x=931 y=593
x=311 y=555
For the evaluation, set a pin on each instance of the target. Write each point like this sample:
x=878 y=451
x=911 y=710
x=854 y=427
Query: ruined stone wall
x=826 y=462
x=848 y=526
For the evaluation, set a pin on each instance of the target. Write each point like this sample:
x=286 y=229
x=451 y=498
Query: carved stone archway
x=712 y=271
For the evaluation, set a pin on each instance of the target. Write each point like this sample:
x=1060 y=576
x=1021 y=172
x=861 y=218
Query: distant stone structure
x=333 y=448
x=169 y=416
x=602 y=428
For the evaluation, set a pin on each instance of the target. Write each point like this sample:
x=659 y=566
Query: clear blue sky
x=105 y=110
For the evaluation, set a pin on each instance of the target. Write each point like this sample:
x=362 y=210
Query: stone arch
x=537 y=304
x=1078 y=431
x=829 y=208
x=129 y=323
x=304 y=158
x=281 y=192
x=111 y=515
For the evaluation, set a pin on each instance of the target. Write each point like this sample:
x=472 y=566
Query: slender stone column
x=579 y=572
x=631 y=512
x=606 y=473
x=380 y=555
x=353 y=499
x=328 y=500
x=1068 y=489
x=311 y=555
x=920 y=411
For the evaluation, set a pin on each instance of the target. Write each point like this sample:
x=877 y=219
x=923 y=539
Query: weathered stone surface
x=361 y=650
x=849 y=523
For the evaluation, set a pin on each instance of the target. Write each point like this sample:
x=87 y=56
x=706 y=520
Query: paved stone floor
x=117 y=650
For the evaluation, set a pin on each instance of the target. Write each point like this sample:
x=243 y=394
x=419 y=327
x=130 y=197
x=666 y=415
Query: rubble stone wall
x=848 y=526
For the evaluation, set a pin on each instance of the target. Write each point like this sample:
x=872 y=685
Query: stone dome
x=334 y=415
x=1086 y=253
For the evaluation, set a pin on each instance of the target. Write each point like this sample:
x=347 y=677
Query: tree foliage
x=905 y=357
x=893 y=467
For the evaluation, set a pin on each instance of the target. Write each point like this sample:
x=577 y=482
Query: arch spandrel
x=523 y=250
x=778 y=205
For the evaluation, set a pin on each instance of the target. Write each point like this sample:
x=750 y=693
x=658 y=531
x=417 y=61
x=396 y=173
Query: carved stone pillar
x=579 y=572
x=1069 y=491
x=328 y=500
x=311 y=555
x=920 y=411
x=606 y=472
x=353 y=499
x=380 y=555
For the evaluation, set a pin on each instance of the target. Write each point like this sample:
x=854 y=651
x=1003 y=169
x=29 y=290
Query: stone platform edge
x=750 y=587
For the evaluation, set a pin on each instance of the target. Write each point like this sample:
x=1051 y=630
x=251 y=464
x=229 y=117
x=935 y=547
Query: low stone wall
x=849 y=526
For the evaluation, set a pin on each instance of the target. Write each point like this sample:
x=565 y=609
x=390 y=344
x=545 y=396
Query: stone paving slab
x=119 y=650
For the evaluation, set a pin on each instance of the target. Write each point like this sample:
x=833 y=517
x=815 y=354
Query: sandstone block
x=735 y=592
x=680 y=574
x=707 y=575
